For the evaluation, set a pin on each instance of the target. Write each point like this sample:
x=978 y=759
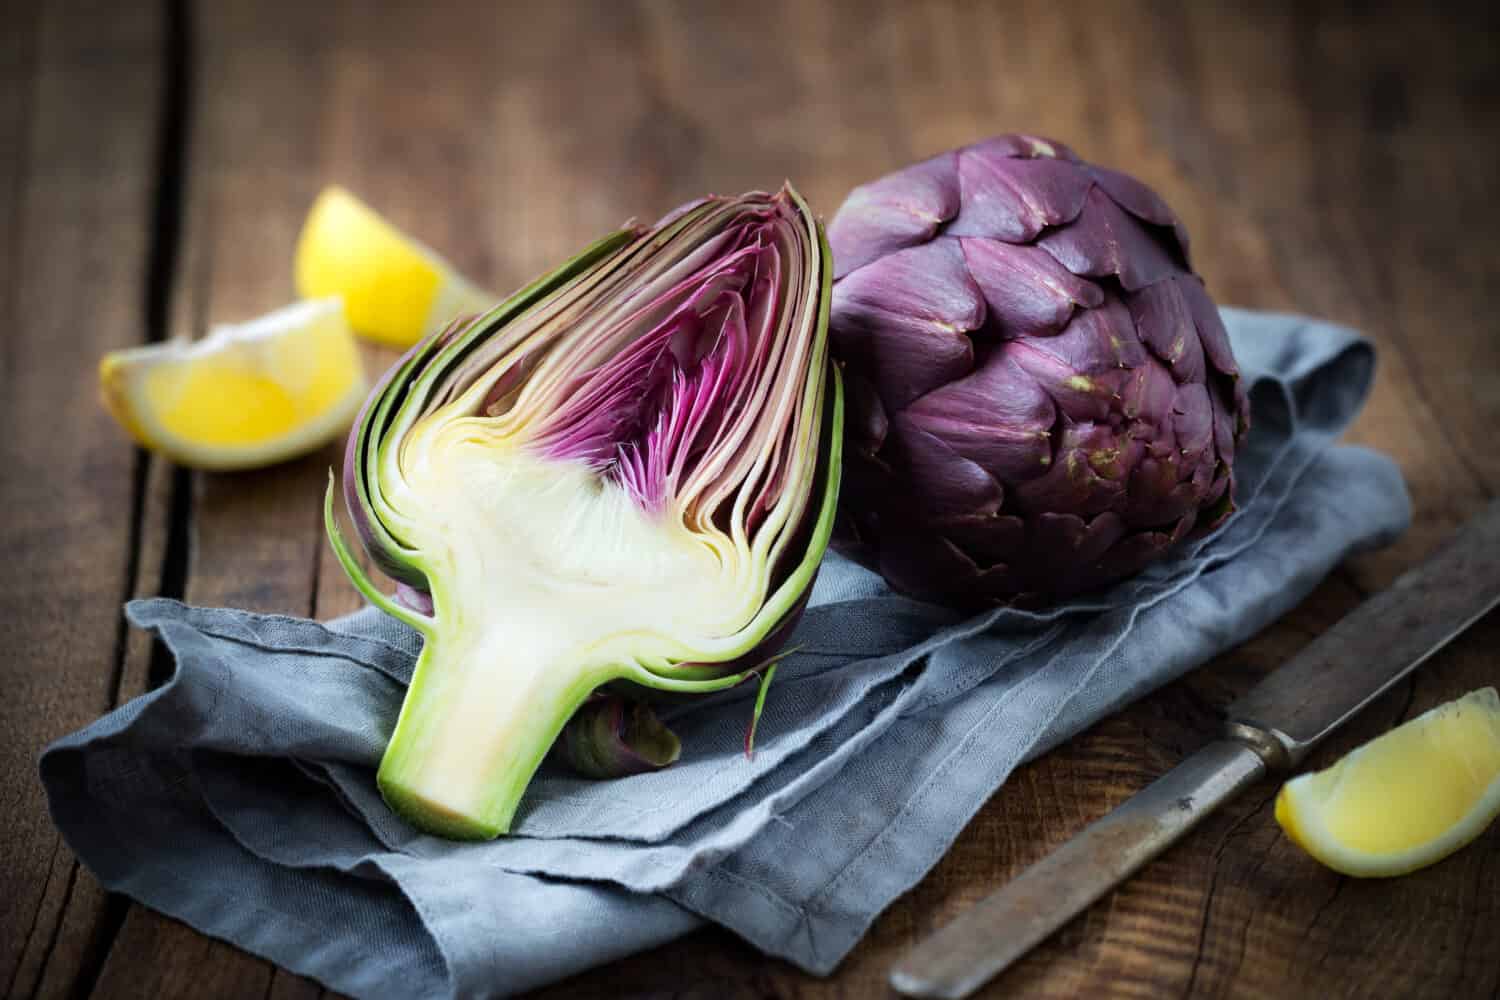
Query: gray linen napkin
x=239 y=797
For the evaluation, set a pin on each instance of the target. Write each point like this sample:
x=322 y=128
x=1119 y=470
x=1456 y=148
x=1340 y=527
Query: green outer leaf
x=591 y=742
x=760 y=704
x=399 y=554
x=357 y=574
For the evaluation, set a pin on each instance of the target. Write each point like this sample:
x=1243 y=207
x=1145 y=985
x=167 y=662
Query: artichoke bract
x=610 y=737
x=1042 y=396
x=625 y=473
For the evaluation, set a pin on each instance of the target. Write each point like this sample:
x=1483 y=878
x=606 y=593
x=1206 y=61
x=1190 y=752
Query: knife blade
x=1271 y=728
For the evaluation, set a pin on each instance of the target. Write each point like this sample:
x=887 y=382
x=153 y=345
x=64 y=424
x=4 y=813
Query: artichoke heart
x=627 y=472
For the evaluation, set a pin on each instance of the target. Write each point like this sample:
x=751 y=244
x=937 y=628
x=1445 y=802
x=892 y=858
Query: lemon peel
x=246 y=395
x=1405 y=800
x=395 y=290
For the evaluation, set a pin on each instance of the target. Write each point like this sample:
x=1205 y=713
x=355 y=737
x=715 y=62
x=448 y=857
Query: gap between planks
x=161 y=496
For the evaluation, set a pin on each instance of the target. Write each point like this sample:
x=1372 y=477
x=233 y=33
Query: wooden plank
x=285 y=111
x=1372 y=219
x=435 y=146
x=78 y=215
x=1267 y=166
x=249 y=535
x=250 y=538
x=1319 y=167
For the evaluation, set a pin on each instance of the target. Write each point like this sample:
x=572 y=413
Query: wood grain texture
x=1337 y=160
x=251 y=540
x=77 y=206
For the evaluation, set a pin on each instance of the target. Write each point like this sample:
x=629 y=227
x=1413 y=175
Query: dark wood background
x=156 y=162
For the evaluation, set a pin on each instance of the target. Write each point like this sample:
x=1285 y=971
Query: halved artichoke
x=627 y=472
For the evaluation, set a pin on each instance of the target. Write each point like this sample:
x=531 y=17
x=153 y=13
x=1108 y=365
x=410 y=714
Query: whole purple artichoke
x=1042 y=397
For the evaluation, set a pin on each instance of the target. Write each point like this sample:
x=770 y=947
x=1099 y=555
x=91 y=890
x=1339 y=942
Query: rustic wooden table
x=156 y=163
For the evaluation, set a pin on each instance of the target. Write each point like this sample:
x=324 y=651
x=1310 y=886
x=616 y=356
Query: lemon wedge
x=395 y=290
x=244 y=396
x=1406 y=799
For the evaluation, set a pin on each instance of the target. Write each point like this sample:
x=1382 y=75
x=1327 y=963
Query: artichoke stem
x=472 y=731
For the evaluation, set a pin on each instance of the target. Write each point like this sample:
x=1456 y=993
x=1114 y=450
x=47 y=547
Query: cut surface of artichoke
x=559 y=582
x=626 y=473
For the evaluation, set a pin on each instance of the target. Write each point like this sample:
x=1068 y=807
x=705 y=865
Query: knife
x=1270 y=729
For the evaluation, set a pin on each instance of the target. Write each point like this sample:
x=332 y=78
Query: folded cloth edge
x=824 y=956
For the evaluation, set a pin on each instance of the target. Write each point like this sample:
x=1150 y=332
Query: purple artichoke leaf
x=1142 y=202
x=1026 y=290
x=1014 y=198
x=1105 y=241
x=942 y=481
x=864 y=400
x=998 y=417
x=902 y=210
x=417 y=600
x=906 y=319
x=1022 y=147
x=1047 y=410
x=1209 y=324
x=1083 y=540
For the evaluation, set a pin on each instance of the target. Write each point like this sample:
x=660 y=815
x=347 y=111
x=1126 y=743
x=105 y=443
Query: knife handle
x=962 y=957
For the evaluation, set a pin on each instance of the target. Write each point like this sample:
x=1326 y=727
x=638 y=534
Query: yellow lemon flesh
x=245 y=396
x=1406 y=799
x=395 y=290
